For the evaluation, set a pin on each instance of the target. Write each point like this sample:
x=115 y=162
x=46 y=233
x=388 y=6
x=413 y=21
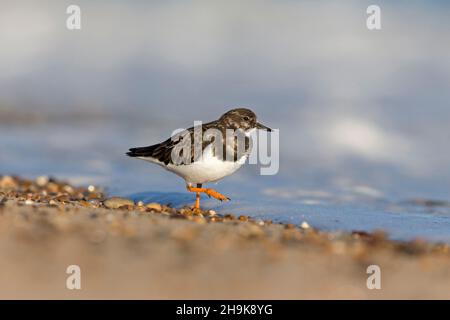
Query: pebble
x=117 y=202
x=29 y=202
x=305 y=225
x=186 y=211
x=215 y=219
x=84 y=203
x=94 y=203
x=199 y=219
x=68 y=188
x=63 y=198
x=126 y=207
x=94 y=196
x=52 y=187
x=7 y=182
x=42 y=181
x=230 y=216
x=154 y=206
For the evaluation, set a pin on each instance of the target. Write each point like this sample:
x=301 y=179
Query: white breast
x=208 y=169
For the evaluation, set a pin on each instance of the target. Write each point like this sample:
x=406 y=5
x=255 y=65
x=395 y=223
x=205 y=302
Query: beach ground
x=129 y=250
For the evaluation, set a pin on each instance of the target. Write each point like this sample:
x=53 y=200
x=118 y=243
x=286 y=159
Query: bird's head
x=242 y=118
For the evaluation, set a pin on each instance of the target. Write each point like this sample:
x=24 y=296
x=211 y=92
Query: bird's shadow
x=173 y=199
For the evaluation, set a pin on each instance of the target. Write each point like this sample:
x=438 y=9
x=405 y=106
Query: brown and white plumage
x=209 y=166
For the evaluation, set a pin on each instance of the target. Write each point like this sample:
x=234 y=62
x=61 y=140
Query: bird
x=211 y=164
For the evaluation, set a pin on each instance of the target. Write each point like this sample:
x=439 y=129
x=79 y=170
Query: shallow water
x=94 y=154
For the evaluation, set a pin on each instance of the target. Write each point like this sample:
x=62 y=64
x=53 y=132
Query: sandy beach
x=151 y=251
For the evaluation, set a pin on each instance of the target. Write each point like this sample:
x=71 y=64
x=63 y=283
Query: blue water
x=363 y=115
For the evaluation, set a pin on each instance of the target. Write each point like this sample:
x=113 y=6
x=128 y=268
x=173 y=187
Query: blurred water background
x=363 y=115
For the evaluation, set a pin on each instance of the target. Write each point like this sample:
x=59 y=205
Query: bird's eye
x=246 y=118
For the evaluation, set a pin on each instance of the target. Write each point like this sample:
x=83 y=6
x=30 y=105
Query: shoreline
x=151 y=251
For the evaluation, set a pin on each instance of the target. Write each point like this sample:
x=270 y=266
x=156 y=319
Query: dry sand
x=156 y=252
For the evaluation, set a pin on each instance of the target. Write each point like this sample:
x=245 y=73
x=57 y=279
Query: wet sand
x=132 y=250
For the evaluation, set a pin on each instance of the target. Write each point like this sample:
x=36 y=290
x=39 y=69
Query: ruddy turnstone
x=209 y=165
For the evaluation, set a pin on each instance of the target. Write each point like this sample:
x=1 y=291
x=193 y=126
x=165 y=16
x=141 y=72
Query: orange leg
x=197 y=201
x=209 y=192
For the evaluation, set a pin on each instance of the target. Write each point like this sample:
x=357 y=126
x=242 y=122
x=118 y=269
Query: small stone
x=168 y=209
x=52 y=187
x=91 y=188
x=7 y=182
x=126 y=207
x=84 y=203
x=212 y=213
x=243 y=218
x=42 y=181
x=215 y=219
x=140 y=204
x=305 y=225
x=94 y=196
x=154 y=206
x=63 y=198
x=68 y=189
x=176 y=216
x=230 y=216
x=94 y=203
x=199 y=219
x=117 y=202
x=52 y=203
x=29 y=202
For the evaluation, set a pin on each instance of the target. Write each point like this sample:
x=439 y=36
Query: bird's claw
x=216 y=195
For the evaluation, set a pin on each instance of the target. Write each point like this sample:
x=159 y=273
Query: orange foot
x=216 y=195
x=209 y=192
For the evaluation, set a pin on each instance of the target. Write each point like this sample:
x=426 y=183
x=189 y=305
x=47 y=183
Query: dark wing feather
x=163 y=151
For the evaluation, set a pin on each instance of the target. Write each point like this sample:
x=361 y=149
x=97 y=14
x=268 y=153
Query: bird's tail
x=141 y=152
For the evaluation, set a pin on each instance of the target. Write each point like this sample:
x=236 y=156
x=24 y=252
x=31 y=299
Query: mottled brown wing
x=163 y=151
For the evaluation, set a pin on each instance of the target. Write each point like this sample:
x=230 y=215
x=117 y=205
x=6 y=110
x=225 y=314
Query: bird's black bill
x=263 y=127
